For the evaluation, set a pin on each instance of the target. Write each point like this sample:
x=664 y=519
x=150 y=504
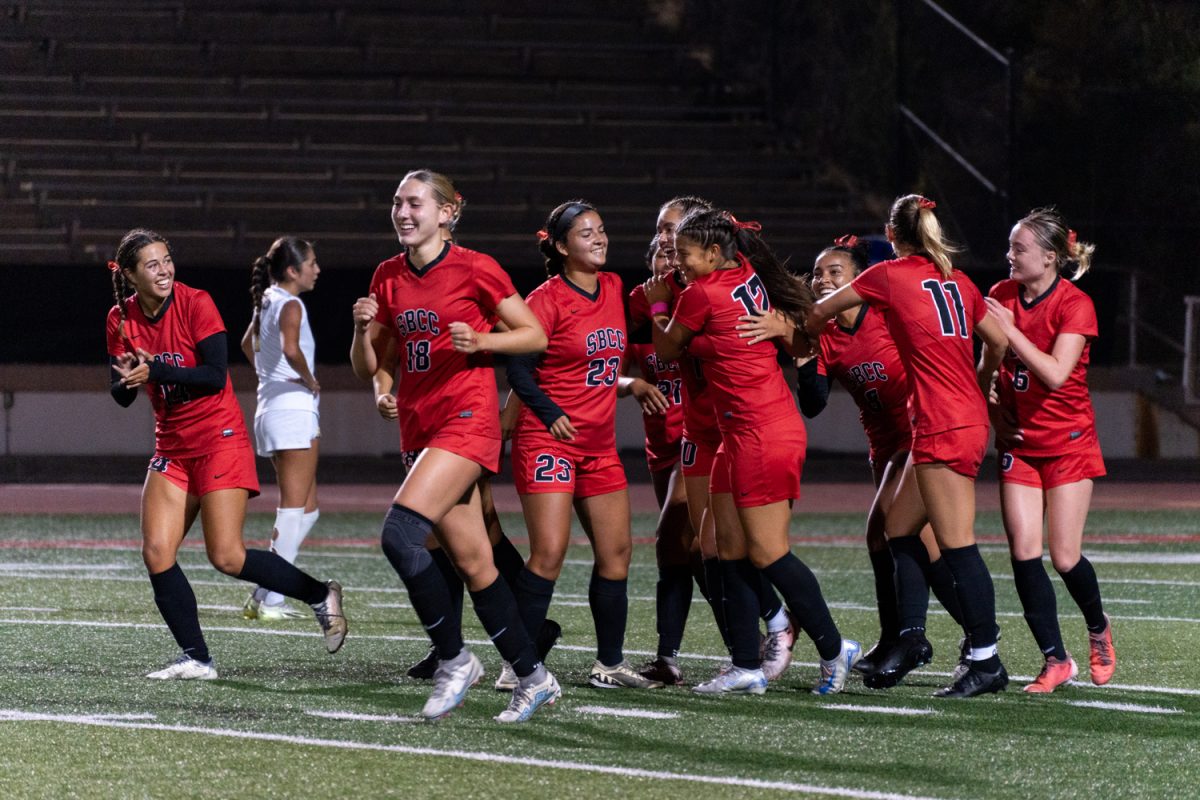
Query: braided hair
x=126 y=260
x=557 y=226
x=1051 y=232
x=786 y=291
x=286 y=251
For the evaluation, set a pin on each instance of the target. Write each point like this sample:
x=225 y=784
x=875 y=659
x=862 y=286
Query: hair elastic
x=849 y=240
x=925 y=202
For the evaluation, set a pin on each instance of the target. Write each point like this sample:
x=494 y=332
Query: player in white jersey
x=279 y=342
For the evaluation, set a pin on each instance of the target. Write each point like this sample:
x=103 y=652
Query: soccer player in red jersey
x=564 y=449
x=731 y=272
x=168 y=337
x=439 y=303
x=1046 y=435
x=932 y=310
x=857 y=350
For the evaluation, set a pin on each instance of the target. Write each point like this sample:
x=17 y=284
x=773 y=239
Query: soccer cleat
x=330 y=617
x=423 y=670
x=975 y=682
x=912 y=650
x=869 y=663
x=835 y=672
x=508 y=680
x=964 y=659
x=450 y=683
x=1054 y=673
x=277 y=613
x=734 y=680
x=547 y=635
x=185 y=668
x=528 y=699
x=776 y=650
x=251 y=606
x=663 y=669
x=1101 y=656
x=619 y=676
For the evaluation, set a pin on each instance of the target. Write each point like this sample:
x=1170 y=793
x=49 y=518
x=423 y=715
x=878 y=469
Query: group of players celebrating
x=699 y=345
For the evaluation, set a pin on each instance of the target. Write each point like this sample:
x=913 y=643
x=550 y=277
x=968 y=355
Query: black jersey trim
x=1040 y=297
x=858 y=321
x=420 y=273
x=592 y=296
x=162 y=311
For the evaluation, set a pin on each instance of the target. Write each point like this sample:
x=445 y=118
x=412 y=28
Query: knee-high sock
x=177 y=603
x=454 y=583
x=508 y=560
x=609 y=601
x=976 y=595
x=673 y=596
x=497 y=610
x=272 y=572
x=1039 y=604
x=912 y=589
x=1085 y=590
x=800 y=590
x=289 y=522
x=769 y=604
x=884 y=569
x=403 y=540
x=942 y=583
x=716 y=597
x=533 y=593
x=739 y=580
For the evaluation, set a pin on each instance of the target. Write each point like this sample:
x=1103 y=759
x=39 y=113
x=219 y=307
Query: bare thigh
x=767 y=529
x=548 y=521
x=296 y=473
x=950 y=501
x=1066 y=515
x=223 y=515
x=605 y=520
x=167 y=514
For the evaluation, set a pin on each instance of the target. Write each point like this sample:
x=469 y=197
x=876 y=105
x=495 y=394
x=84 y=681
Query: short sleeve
x=1078 y=315
x=384 y=315
x=544 y=308
x=972 y=299
x=639 y=308
x=693 y=309
x=112 y=328
x=821 y=357
x=873 y=286
x=205 y=319
x=492 y=283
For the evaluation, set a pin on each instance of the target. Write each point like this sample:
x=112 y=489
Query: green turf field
x=286 y=720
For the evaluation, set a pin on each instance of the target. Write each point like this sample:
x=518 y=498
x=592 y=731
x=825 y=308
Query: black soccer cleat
x=911 y=651
x=547 y=635
x=869 y=663
x=423 y=670
x=975 y=682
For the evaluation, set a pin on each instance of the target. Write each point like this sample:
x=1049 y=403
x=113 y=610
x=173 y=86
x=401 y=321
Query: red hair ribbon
x=925 y=202
x=543 y=235
x=1072 y=239
x=745 y=226
x=849 y=240
x=458 y=197
x=114 y=266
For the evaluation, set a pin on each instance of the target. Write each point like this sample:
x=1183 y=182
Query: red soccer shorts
x=198 y=475
x=483 y=450
x=765 y=462
x=1049 y=472
x=718 y=476
x=662 y=456
x=882 y=450
x=960 y=449
x=545 y=468
x=697 y=456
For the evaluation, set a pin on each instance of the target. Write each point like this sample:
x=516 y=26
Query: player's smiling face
x=1027 y=260
x=668 y=219
x=831 y=272
x=154 y=276
x=695 y=261
x=660 y=262
x=586 y=245
x=416 y=214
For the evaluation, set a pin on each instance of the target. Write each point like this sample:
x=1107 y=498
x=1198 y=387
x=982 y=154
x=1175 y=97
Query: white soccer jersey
x=279 y=385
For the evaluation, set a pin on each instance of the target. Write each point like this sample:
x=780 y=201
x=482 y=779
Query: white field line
x=30 y=608
x=639 y=713
x=1124 y=707
x=348 y=715
x=903 y=712
x=37 y=566
x=11 y=715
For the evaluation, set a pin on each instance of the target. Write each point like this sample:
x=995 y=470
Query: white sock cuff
x=778 y=622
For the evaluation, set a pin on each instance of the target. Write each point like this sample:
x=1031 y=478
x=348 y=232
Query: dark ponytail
x=852 y=246
x=557 y=226
x=286 y=251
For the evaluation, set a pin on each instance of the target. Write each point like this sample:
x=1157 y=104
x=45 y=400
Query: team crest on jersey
x=605 y=339
x=868 y=372
x=417 y=320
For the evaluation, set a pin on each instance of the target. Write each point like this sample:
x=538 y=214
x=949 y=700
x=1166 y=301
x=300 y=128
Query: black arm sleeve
x=812 y=390
x=520 y=378
x=122 y=394
x=208 y=374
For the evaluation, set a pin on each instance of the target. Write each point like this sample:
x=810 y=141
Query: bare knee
x=228 y=559
x=157 y=556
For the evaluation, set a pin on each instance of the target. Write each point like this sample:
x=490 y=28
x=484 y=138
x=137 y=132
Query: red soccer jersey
x=931 y=319
x=439 y=386
x=1059 y=421
x=747 y=384
x=187 y=422
x=661 y=429
x=864 y=359
x=580 y=367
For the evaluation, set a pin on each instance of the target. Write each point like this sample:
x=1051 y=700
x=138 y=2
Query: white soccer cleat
x=620 y=676
x=278 y=613
x=835 y=672
x=528 y=699
x=450 y=683
x=508 y=680
x=185 y=668
x=330 y=617
x=777 y=650
x=735 y=680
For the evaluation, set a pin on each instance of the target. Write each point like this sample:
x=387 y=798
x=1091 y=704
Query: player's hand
x=385 y=404
x=134 y=368
x=647 y=394
x=464 y=338
x=563 y=430
x=761 y=325
x=1004 y=423
x=365 y=309
x=1003 y=316
x=657 y=290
